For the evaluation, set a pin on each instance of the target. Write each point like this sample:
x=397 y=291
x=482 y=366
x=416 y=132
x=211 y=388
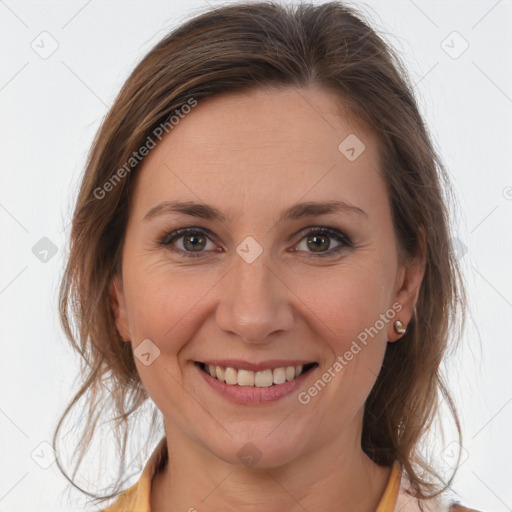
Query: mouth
x=263 y=378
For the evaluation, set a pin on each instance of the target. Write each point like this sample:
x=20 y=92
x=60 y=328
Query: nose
x=254 y=301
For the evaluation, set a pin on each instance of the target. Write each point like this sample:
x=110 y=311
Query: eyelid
x=175 y=233
x=343 y=239
x=323 y=229
x=171 y=236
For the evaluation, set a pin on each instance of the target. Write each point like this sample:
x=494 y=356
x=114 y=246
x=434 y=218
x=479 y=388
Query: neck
x=327 y=477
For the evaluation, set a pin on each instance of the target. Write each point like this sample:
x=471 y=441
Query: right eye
x=194 y=240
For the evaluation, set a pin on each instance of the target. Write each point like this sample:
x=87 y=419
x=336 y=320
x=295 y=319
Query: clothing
x=394 y=499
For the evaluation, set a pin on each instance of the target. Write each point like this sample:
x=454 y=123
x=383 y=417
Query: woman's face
x=256 y=284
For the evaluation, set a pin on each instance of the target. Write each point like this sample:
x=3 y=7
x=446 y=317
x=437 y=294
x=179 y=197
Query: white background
x=50 y=110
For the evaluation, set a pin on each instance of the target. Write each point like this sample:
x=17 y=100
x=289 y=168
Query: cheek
x=347 y=301
x=348 y=310
x=163 y=306
x=162 y=300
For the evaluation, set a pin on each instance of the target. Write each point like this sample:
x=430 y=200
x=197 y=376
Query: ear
x=116 y=291
x=408 y=284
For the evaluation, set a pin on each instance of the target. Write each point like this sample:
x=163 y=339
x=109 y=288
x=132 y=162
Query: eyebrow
x=209 y=212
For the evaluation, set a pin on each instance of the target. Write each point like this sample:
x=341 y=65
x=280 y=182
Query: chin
x=260 y=450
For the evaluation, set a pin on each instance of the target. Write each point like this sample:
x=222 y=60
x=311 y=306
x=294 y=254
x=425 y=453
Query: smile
x=260 y=379
x=252 y=387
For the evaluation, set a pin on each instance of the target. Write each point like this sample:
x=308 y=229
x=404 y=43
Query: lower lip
x=246 y=395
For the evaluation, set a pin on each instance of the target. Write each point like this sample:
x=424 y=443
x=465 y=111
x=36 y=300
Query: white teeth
x=279 y=376
x=259 y=379
x=263 y=379
x=245 y=378
x=231 y=376
x=220 y=373
x=290 y=372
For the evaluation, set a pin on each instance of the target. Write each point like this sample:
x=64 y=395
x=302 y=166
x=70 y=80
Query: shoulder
x=125 y=501
x=438 y=504
x=457 y=507
x=137 y=497
x=441 y=503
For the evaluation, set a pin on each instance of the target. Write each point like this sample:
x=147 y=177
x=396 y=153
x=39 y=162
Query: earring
x=399 y=327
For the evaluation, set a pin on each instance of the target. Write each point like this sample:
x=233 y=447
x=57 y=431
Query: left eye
x=317 y=240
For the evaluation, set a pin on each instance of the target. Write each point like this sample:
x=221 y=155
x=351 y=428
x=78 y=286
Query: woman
x=260 y=246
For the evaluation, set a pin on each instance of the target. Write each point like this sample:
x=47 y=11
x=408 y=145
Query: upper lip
x=263 y=365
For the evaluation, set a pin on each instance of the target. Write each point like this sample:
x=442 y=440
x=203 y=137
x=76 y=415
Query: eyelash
x=169 y=238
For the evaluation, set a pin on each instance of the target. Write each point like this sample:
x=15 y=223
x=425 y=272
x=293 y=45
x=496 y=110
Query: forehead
x=263 y=145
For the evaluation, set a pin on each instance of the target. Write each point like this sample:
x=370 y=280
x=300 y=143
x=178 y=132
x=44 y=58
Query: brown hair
x=260 y=45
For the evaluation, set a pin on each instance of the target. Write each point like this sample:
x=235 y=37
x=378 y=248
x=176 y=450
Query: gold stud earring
x=399 y=327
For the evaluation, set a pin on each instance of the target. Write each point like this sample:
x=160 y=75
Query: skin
x=252 y=155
